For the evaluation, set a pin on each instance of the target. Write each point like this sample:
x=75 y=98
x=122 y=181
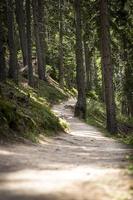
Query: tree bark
x=20 y=18
x=80 y=109
x=61 y=67
x=39 y=30
x=87 y=66
x=107 y=68
x=13 y=63
x=128 y=78
x=2 y=44
x=29 y=42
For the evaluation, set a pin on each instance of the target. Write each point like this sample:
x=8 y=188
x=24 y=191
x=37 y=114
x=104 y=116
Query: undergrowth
x=130 y=166
x=96 y=116
x=25 y=112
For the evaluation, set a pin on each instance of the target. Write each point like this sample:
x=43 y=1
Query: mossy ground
x=96 y=116
x=25 y=112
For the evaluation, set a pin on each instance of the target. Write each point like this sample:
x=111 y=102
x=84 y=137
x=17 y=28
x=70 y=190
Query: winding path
x=81 y=165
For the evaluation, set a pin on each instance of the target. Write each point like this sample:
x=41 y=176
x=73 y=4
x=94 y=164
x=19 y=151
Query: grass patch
x=25 y=111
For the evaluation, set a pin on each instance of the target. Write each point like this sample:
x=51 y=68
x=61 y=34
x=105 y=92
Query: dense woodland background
x=58 y=47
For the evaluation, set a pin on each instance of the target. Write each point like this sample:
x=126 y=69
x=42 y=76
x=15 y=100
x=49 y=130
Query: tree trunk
x=13 y=63
x=2 y=44
x=103 y=88
x=95 y=70
x=20 y=18
x=87 y=66
x=29 y=42
x=128 y=78
x=80 y=109
x=39 y=29
x=107 y=68
x=61 y=68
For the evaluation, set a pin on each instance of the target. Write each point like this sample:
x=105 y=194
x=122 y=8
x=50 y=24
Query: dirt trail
x=82 y=165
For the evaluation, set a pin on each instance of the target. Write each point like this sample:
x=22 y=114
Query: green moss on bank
x=25 y=112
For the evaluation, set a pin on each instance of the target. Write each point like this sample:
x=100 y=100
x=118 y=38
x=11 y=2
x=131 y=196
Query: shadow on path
x=82 y=165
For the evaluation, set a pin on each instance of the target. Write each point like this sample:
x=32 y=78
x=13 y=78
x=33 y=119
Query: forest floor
x=81 y=165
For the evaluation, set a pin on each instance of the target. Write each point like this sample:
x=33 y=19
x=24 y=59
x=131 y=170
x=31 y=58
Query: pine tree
x=29 y=42
x=39 y=30
x=61 y=68
x=2 y=43
x=107 y=68
x=20 y=18
x=80 y=109
x=13 y=63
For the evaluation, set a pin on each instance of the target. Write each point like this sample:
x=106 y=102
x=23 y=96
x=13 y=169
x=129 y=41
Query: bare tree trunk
x=2 y=44
x=29 y=42
x=103 y=88
x=127 y=86
x=80 y=109
x=20 y=18
x=61 y=67
x=87 y=66
x=39 y=29
x=107 y=68
x=13 y=63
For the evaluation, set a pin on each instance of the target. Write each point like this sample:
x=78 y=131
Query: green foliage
x=125 y=126
x=96 y=113
x=127 y=139
x=125 y=119
x=68 y=41
x=92 y=95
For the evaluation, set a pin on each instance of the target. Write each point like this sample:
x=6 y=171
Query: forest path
x=82 y=165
